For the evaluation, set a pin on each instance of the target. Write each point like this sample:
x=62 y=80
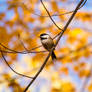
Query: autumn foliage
x=21 y=23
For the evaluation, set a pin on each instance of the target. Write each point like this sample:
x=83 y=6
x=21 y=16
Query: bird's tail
x=53 y=55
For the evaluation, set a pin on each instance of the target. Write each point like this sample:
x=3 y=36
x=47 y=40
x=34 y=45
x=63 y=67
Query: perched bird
x=48 y=44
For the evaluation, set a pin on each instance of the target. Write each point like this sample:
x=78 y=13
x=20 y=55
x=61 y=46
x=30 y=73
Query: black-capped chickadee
x=48 y=44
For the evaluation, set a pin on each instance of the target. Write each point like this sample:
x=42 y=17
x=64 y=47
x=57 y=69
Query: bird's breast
x=48 y=44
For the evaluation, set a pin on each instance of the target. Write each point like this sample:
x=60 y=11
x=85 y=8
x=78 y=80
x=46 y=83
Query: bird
x=48 y=44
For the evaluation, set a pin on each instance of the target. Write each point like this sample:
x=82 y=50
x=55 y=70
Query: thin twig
x=70 y=19
x=50 y=15
x=21 y=3
x=22 y=43
x=22 y=52
x=12 y=68
x=72 y=16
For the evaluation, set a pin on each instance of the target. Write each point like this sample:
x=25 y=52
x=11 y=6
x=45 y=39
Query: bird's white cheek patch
x=45 y=36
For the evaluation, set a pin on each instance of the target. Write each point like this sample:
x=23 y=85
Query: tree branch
x=62 y=32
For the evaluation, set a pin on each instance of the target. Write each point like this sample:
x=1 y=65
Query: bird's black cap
x=43 y=34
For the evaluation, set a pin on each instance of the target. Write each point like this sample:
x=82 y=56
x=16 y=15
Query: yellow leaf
x=90 y=88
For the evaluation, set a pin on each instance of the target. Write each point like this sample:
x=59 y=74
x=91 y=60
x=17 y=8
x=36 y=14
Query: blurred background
x=22 y=22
